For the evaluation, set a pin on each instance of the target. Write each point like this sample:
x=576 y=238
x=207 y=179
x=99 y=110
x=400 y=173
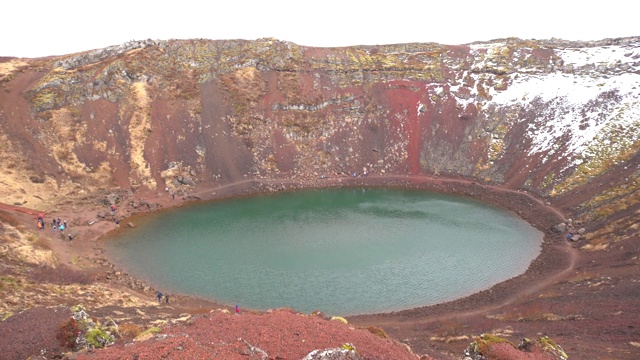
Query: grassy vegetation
x=483 y=342
x=377 y=331
x=615 y=198
x=98 y=338
x=550 y=345
x=8 y=282
x=61 y=275
x=38 y=241
x=615 y=144
x=613 y=231
x=450 y=327
x=129 y=331
x=150 y=331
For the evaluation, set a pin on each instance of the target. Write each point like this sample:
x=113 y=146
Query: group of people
x=58 y=225
x=160 y=296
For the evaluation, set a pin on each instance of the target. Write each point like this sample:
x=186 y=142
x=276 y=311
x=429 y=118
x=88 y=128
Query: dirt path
x=533 y=287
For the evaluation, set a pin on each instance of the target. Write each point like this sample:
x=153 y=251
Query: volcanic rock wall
x=552 y=117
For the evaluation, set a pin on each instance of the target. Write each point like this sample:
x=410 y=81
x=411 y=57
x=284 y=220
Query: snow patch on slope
x=572 y=104
x=599 y=55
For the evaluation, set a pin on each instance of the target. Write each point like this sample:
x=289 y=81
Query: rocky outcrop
x=91 y=57
x=488 y=346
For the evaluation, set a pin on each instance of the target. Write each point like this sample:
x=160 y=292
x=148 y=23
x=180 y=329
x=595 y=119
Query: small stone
x=562 y=227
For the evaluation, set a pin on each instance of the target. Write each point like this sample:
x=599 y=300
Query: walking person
x=159 y=295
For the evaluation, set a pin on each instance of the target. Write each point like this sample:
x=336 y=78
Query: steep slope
x=556 y=119
x=542 y=116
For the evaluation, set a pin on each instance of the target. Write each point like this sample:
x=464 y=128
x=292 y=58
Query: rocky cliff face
x=551 y=117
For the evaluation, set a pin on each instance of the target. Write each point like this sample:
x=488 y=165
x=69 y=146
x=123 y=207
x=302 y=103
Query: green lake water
x=340 y=251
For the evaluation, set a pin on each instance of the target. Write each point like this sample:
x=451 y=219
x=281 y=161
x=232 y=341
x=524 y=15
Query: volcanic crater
x=548 y=129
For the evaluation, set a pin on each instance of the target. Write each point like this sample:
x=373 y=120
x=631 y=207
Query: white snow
x=598 y=55
x=568 y=97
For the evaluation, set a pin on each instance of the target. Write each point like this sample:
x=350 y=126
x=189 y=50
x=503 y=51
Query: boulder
x=186 y=180
x=333 y=354
x=560 y=228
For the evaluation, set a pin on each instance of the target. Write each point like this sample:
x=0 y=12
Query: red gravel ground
x=281 y=334
x=32 y=333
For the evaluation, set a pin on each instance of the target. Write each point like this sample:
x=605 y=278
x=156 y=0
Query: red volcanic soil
x=585 y=301
x=280 y=334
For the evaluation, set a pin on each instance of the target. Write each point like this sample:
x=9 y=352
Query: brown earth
x=75 y=138
x=587 y=307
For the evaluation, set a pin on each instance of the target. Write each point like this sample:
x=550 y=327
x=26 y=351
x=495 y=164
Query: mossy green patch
x=482 y=343
x=98 y=338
